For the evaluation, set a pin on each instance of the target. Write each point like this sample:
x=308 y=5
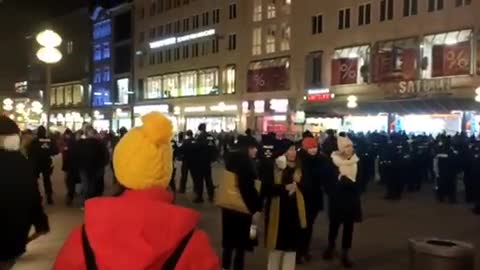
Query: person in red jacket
x=140 y=229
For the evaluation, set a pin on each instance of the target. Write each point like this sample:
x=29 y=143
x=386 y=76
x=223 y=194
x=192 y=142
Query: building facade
x=290 y=65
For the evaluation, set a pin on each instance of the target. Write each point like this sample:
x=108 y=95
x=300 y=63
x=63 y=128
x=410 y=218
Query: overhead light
x=163 y=43
x=352 y=98
x=352 y=104
x=477 y=91
x=49 y=55
x=477 y=98
x=49 y=38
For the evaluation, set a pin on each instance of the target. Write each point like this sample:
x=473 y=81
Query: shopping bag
x=228 y=195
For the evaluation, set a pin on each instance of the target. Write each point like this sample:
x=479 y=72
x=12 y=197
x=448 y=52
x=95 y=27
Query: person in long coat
x=285 y=213
x=20 y=200
x=344 y=200
x=236 y=226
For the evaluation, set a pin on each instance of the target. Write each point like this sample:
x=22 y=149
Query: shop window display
x=396 y=60
x=60 y=96
x=207 y=82
x=122 y=90
x=216 y=124
x=269 y=75
x=68 y=95
x=154 y=86
x=53 y=96
x=188 y=83
x=350 y=65
x=447 y=54
x=170 y=85
x=77 y=97
x=230 y=80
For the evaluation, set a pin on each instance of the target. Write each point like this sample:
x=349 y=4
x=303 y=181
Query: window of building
x=410 y=7
x=151 y=33
x=159 y=57
x=176 y=3
x=106 y=50
x=98 y=76
x=141 y=37
x=459 y=3
x=141 y=14
x=260 y=80
x=123 y=86
x=153 y=9
x=168 y=55
x=176 y=54
x=314 y=70
x=168 y=4
x=395 y=60
x=270 y=40
x=186 y=2
x=215 y=45
x=53 y=96
x=160 y=6
x=271 y=9
x=170 y=85
x=168 y=29
x=257 y=10
x=177 y=27
x=186 y=52
x=151 y=60
x=285 y=37
x=77 y=94
x=434 y=5
x=154 y=88
x=347 y=64
x=160 y=31
x=60 y=96
x=230 y=80
x=344 y=18
x=286 y=6
x=232 y=42
x=69 y=47
x=317 y=24
x=205 y=19
x=208 y=81
x=141 y=62
x=102 y=29
x=257 y=41
x=195 y=22
x=186 y=25
x=386 y=10
x=232 y=14
x=195 y=50
x=68 y=94
x=106 y=74
x=216 y=16
x=188 y=83
x=364 y=14
x=97 y=53
x=205 y=47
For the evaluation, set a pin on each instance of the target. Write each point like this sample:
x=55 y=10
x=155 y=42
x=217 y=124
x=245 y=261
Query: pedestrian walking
x=140 y=229
x=237 y=235
x=20 y=200
x=285 y=211
x=40 y=153
x=344 y=201
x=92 y=156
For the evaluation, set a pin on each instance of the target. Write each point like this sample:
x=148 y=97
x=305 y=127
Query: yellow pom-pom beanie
x=143 y=157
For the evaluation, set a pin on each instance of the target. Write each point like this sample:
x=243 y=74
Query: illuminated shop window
x=257 y=41
x=447 y=54
x=270 y=46
x=350 y=65
x=285 y=37
x=53 y=96
x=271 y=9
x=68 y=95
x=153 y=88
x=77 y=94
x=208 y=82
x=230 y=80
x=170 y=85
x=188 y=83
x=396 y=60
x=122 y=90
x=60 y=96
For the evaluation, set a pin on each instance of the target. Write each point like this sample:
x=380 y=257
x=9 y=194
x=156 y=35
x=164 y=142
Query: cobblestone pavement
x=380 y=242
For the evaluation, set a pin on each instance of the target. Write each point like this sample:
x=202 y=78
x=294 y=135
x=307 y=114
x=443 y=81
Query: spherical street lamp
x=49 y=55
x=49 y=38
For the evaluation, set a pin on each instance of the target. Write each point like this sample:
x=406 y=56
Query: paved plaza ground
x=380 y=241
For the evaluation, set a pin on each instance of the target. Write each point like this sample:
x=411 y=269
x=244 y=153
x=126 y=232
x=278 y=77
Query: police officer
x=187 y=157
x=266 y=160
x=41 y=151
x=205 y=154
x=173 y=185
x=445 y=166
x=475 y=175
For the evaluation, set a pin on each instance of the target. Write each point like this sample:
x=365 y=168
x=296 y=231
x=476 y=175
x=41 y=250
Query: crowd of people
x=288 y=182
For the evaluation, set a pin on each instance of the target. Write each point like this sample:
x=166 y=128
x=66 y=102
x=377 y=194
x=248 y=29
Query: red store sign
x=344 y=71
x=450 y=60
x=268 y=79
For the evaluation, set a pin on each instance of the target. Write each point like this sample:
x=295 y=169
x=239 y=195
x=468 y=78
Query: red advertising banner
x=268 y=79
x=450 y=60
x=395 y=65
x=344 y=71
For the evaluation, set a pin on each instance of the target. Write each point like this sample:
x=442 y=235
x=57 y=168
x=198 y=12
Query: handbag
x=228 y=195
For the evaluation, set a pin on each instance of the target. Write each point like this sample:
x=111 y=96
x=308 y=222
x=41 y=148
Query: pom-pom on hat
x=143 y=157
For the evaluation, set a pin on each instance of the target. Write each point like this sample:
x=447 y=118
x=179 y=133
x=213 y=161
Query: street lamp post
x=48 y=54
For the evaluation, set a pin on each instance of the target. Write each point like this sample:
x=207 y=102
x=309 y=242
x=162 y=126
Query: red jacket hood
x=138 y=230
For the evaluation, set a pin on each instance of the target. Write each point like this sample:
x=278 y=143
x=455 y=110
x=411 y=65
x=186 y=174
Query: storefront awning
x=410 y=106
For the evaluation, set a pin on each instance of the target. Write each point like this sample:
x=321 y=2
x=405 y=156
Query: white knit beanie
x=343 y=142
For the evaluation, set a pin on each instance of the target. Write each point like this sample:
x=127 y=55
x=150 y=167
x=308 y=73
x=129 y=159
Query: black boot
x=329 y=253
x=346 y=261
x=49 y=200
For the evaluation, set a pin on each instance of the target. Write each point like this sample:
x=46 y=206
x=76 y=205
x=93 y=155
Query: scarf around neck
x=346 y=167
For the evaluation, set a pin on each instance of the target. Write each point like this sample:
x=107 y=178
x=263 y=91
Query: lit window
x=271 y=9
x=257 y=10
x=230 y=80
x=257 y=41
x=98 y=53
x=106 y=74
x=271 y=39
x=69 y=47
x=170 y=85
x=208 y=82
x=77 y=94
x=188 y=83
x=285 y=41
x=106 y=50
x=154 y=88
x=122 y=90
x=98 y=76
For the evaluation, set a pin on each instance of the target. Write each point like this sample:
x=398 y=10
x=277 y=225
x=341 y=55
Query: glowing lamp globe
x=49 y=55
x=477 y=91
x=477 y=98
x=49 y=38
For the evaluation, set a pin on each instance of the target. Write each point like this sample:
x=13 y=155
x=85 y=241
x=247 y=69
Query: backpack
x=170 y=264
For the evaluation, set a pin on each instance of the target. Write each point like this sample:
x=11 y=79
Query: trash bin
x=440 y=254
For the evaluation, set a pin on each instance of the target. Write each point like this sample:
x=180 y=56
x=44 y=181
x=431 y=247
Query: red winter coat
x=138 y=231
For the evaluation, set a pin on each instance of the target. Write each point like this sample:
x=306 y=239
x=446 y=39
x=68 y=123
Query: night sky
x=17 y=19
